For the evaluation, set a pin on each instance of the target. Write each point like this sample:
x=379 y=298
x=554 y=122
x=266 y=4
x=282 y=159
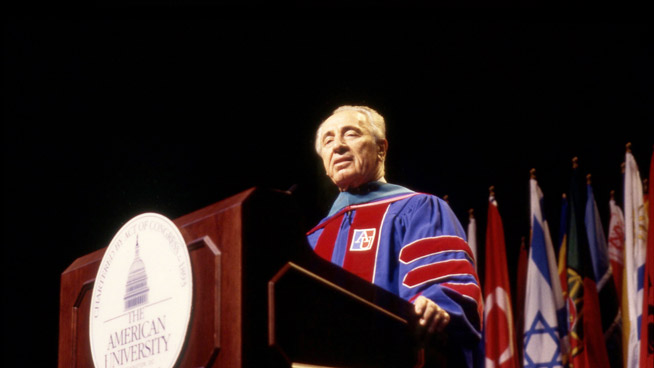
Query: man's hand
x=433 y=317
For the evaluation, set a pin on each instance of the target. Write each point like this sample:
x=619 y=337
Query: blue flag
x=543 y=300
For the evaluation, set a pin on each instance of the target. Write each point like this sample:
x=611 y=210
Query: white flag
x=543 y=300
x=472 y=237
x=635 y=248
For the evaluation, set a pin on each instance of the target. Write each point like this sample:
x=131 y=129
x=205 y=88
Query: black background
x=112 y=116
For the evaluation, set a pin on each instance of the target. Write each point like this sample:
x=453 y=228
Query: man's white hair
x=375 y=122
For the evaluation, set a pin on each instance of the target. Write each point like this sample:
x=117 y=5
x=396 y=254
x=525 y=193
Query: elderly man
x=408 y=243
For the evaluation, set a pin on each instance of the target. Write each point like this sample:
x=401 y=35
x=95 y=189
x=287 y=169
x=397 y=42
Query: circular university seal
x=141 y=302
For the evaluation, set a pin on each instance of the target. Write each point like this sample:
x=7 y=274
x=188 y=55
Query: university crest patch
x=362 y=239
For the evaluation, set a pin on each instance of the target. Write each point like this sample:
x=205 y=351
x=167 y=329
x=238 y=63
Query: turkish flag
x=499 y=329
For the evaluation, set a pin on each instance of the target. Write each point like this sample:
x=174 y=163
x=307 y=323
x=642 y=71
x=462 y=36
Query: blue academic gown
x=410 y=244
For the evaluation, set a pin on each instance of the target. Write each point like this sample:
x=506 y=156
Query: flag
x=647 y=326
x=587 y=346
x=577 y=270
x=563 y=276
x=543 y=299
x=634 y=260
x=586 y=331
x=563 y=249
x=610 y=333
x=472 y=236
x=499 y=330
x=616 y=244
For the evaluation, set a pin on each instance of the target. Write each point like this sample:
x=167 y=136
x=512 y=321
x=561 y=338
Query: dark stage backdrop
x=106 y=119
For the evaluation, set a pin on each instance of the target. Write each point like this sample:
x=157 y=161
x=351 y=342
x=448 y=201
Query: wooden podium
x=261 y=297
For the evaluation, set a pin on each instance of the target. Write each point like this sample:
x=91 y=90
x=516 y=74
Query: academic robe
x=410 y=244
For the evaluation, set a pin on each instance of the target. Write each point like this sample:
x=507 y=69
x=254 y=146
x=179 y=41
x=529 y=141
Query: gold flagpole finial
x=628 y=147
x=564 y=196
x=491 y=191
x=575 y=162
x=588 y=181
x=446 y=198
x=532 y=174
x=612 y=194
x=471 y=213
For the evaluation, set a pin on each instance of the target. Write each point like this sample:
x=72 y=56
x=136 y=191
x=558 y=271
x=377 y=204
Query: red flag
x=647 y=323
x=594 y=346
x=498 y=316
x=563 y=277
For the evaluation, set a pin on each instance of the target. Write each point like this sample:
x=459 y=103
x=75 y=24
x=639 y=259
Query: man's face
x=349 y=152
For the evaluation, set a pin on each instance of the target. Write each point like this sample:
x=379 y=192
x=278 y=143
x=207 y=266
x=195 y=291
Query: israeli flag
x=543 y=300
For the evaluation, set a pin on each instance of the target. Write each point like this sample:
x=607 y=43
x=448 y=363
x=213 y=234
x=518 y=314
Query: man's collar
x=369 y=192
